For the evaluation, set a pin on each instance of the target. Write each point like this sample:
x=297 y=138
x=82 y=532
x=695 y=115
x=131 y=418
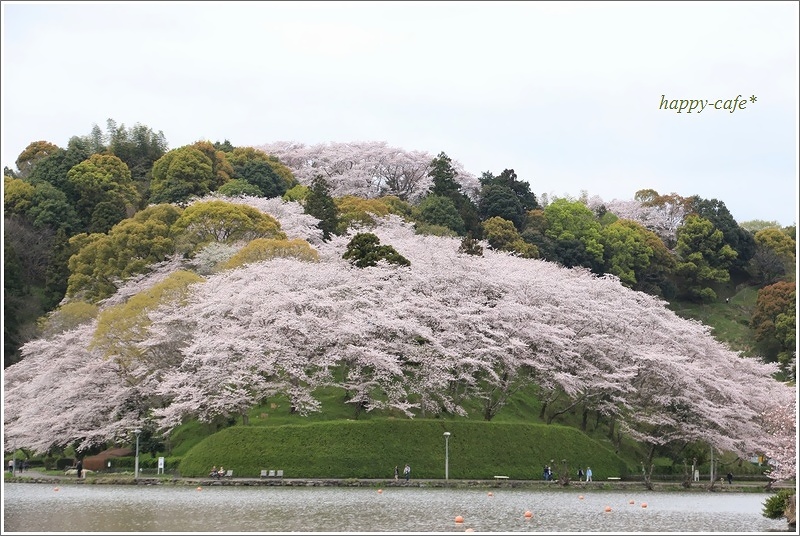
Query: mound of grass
x=371 y=449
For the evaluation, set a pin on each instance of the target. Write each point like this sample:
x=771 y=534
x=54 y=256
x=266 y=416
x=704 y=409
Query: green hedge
x=371 y=449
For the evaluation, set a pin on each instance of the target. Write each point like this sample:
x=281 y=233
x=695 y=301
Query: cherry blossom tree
x=366 y=169
x=418 y=340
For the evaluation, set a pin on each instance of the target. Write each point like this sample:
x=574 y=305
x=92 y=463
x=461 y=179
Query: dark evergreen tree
x=320 y=204
x=57 y=271
x=738 y=238
x=365 y=250
x=445 y=185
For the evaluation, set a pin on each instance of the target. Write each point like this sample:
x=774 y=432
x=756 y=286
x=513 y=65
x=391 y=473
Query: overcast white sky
x=565 y=93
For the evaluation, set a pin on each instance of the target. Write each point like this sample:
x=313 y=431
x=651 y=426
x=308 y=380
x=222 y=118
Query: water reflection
x=86 y=508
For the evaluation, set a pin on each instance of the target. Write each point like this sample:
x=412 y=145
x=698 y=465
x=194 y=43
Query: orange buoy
x=528 y=514
x=491 y=494
x=55 y=489
x=580 y=497
x=470 y=530
x=380 y=491
x=644 y=505
x=199 y=488
x=459 y=519
x=607 y=508
x=631 y=501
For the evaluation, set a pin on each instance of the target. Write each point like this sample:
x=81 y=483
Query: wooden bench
x=500 y=477
x=229 y=473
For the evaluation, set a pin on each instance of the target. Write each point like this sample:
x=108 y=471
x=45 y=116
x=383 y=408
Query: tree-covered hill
x=396 y=320
x=147 y=287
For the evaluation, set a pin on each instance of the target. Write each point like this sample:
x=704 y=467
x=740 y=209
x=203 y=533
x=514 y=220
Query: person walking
x=79 y=467
x=407 y=472
x=580 y=474
x=730 y=478
x=588 y=474
x=396 y=473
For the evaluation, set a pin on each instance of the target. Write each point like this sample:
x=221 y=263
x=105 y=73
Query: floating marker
x=528 y=514
x=607 y=509
x=459 y=519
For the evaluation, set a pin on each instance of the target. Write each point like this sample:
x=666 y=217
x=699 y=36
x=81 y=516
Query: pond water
x=72 y=508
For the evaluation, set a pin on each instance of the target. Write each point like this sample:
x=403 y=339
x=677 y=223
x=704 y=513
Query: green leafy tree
x=297 y=193
x=774 y=257
x=636 y=255
x=365 y=249
x=219 y=221
x=17 y=196
x=239 y=187
x=443 y=174
x=444 y=185
x=321 y=205
x=32 y=155
x=739 y=239
x=139 y=147
x=102 y=260
x=774 y=321
x=225 y=146
x=51 y=209
x=503 y=235
x=703 y=258
x=262 y=249
x=522 y=189
x=575 y=232
x=221 y=168
x=500 y=201
x=54 y=168
x=261 y=170
x=357 y=211
x=439 y=210
x=181 y=174
x=104 y=181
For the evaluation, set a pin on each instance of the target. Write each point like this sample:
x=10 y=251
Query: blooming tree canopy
x=419 y=339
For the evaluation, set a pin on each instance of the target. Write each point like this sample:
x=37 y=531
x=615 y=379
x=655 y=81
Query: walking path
x=32 y=476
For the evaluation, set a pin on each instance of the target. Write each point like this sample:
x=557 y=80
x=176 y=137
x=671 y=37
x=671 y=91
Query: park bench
x=614 y=478
x=272 y=473
x=500 y=477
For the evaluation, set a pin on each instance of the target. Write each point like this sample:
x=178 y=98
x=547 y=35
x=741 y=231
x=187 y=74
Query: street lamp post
x=136 y=467
x=446 y=455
